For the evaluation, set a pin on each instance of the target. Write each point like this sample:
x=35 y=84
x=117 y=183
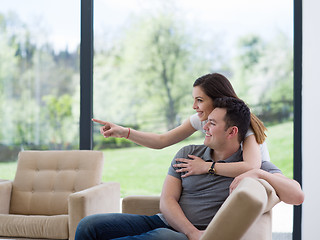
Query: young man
x=187 y=204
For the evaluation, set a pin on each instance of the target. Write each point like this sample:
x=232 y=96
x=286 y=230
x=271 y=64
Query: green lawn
x=140 y=170
x=7 y=170
x=280 y=145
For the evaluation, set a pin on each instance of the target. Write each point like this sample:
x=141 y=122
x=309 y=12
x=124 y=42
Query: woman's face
x=203 y=104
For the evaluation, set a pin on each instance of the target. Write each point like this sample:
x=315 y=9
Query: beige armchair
x=246 y=214
x=52 y=191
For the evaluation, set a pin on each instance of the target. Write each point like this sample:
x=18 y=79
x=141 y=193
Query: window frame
x=86 y=75
x=297 y=119
x=86 y=98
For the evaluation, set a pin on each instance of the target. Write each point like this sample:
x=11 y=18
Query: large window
x=149 y=53
x=39 y=76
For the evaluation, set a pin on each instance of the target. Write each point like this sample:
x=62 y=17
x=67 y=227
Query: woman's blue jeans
x=123 y=226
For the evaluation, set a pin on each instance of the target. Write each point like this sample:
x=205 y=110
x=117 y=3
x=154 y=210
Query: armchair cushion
x=142 y=205
x=35 y=226
x=45 y=179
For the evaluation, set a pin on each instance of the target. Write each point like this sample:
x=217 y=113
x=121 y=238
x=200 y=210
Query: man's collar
x=207 y=155
x=236 y=157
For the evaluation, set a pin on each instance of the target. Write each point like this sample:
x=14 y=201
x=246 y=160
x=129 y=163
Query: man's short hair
x=237 y=114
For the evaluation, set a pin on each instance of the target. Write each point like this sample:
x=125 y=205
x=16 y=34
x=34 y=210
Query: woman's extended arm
x=251 y=160
x=151 y=140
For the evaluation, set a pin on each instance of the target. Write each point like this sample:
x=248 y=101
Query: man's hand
x=193 y=166
x=111 y=130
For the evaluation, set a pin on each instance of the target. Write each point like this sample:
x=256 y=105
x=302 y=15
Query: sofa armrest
x=240 y=210
x=103 y=198
x=144 y=205
x=5 y=196
x=273 y=198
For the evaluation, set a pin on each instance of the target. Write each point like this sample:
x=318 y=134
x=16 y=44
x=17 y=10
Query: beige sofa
x=52 y=191
x=245 y=215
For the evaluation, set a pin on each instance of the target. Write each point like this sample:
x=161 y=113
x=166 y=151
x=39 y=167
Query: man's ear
x=233 y=131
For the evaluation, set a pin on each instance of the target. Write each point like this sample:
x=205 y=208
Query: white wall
x=311 y=119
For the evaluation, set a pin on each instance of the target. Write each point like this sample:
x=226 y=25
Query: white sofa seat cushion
x=34 y=226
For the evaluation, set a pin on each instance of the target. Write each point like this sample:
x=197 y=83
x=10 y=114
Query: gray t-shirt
x=202 y=195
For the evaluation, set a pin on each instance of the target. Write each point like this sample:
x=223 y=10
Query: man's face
x=215 y=128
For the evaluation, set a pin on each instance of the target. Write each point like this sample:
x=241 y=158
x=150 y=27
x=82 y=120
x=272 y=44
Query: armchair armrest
x=144 y=205
x=103 y=198
x=273 y=198
x=5 y=196
x=240 y=210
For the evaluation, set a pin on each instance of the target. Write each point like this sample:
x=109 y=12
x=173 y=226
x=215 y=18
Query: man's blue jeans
x=123 y=226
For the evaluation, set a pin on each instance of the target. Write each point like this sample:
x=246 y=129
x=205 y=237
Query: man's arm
x=170 y=208
x=288 y=190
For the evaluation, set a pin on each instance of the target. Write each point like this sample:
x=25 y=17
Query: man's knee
x=87 y=221
x=84 y=227
x=166 y=233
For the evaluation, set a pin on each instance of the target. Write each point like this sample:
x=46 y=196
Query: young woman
x=205 y=90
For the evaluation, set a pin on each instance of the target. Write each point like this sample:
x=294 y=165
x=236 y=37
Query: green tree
x=28 y=72
x=8 y=75
x=277 y=68
x=156 y=61
x=275 y=75
x=60 y=120
x=264 y=75
x=249 y=52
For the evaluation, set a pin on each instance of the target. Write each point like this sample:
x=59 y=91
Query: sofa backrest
x=45 y=179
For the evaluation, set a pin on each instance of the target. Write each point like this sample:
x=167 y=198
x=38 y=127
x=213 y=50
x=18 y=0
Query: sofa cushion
x=54 y=227
x=45 y=179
